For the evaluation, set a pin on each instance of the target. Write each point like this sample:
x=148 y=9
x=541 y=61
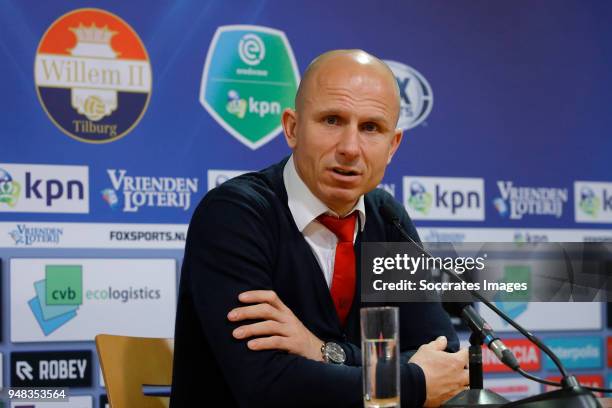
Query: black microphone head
x=388 y=213
x=454 y=309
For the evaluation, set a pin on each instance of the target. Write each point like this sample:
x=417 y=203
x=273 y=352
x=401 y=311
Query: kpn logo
x=44 y=188
x=58 y=296
x=93 y=75
x=250 y=76
x=593 y=202
x=444 y=198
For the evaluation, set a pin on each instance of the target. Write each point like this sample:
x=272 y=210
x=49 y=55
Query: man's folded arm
x=231 y=249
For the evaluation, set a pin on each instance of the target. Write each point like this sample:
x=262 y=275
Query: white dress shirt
x=305 y=208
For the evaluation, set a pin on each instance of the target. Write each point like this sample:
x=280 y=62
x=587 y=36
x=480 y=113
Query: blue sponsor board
x=576 y=352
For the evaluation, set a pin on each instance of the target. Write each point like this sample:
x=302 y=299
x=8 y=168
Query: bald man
x=269 y=298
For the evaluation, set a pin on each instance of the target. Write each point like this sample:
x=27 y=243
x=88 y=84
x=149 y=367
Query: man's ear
x=395 y=142
x=289 y=122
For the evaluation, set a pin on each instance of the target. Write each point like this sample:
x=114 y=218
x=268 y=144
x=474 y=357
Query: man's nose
x=348 y=145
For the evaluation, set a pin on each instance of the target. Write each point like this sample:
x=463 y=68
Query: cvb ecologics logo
x=93 y=76
x=515 y=202
x=58 y=296
x=130 y=193
x=61 y=294
x=593 y=201
x=250 y=76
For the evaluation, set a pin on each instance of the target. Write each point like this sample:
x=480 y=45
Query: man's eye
x=331 y=120
x=370 y=127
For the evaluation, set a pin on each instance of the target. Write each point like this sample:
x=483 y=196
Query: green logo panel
x=516 y=274
x=250 y=77
x=64 y=284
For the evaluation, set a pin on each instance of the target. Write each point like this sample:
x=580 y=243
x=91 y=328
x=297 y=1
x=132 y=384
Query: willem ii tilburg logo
x=130 y=193
x=515 y=202
x=92 y=75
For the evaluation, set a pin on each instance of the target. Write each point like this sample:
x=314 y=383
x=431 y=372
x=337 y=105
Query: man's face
x=343 y=134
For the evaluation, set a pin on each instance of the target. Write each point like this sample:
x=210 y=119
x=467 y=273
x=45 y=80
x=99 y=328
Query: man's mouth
x=345 y=172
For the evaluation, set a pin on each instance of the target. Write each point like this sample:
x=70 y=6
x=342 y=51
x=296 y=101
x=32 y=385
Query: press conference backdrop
x=117 y=118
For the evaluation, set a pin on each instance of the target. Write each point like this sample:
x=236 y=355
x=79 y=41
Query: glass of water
x=380 y=352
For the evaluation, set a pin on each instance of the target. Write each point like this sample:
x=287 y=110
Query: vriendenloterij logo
x=31 y=235
x=9 y=189
x=416 y=96
x=58 y=296
x=250 y=76
x=93 y=75
x=130 y=193
x=515 y=202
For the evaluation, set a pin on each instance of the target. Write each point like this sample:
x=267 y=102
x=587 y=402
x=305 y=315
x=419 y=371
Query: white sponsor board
x=71 y=402
x=218 y=177
x=92 y=235
x=442 y=234
x=593 y=202
x=172 y=236
x=40 y=188
x=59 y=299
x=546 y=316
x=444 y=198
x=512 y=388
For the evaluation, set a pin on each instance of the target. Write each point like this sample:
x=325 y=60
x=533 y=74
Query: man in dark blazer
x=268 y=312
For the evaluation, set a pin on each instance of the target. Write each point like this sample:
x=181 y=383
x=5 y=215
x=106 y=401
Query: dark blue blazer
x=243 y=237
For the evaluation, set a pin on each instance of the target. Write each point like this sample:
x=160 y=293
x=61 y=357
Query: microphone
x=479 y=325
x=572 y=393
x=465 y=310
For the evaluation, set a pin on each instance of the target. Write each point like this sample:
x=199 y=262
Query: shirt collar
x=306 y=207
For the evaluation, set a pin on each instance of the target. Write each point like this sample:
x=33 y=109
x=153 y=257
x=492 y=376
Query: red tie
x=343 y=281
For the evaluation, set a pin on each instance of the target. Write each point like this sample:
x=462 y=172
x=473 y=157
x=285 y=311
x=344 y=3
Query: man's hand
x=279 y=328
x=445 y=373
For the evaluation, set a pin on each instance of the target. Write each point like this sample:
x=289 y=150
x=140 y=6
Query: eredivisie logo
x=93 y=75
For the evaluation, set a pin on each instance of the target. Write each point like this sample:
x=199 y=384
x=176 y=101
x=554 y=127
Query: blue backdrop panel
x=520 y=93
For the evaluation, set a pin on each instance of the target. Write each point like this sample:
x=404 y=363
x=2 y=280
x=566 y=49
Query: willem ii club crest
x=92 y=75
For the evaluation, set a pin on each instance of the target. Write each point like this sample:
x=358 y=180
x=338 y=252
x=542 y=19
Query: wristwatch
x=333 y=353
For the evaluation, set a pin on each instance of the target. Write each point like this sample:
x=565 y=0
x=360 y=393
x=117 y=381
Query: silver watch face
x=335 y=353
